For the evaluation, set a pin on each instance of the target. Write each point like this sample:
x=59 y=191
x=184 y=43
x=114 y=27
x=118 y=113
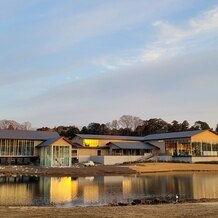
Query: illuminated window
x=91 y=142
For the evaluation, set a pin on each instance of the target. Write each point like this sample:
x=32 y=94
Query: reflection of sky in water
x=101 y=190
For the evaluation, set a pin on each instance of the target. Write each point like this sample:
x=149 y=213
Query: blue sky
x=72 y=62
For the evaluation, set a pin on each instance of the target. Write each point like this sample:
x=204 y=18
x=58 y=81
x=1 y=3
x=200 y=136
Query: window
x=61 y=155
x=74 y=153
x=91 y=142
x=99 y=152
x=13 y=147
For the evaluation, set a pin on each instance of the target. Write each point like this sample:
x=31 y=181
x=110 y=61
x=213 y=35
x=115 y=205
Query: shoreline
x=78 y=171
x=134 y=203
x=162 y=210
x=104 y=170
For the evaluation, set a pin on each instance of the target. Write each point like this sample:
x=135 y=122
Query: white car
x=89 y=164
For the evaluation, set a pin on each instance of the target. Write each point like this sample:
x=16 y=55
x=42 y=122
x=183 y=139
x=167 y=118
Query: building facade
x=190 y=146
x=109 y=149
x=50 y=150
x=25 y=147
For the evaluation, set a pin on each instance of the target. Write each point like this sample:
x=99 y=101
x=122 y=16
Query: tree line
x=128 y=125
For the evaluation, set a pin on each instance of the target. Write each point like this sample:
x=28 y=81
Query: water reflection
x=98 y=190
x=17 y=190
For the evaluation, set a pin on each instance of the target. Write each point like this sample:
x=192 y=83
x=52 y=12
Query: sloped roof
x=115 y=137
x=49 y=142
x=172 y=135
x=52 y=140
x=132 y=145
x=27 y=134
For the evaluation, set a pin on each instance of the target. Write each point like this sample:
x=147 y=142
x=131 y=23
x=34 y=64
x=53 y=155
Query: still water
x=102 y=190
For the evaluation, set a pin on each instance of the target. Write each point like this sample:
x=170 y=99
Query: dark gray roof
x=27 y=134
x=132 y=145
x=129 y=138
x=172 y=135
x=49 y=142
x=52 y=140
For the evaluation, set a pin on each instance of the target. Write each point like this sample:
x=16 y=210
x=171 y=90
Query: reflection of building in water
x=165 y=184
x=74 y=189
x=88 y=189
x=117 y=187
x=59 y=189
x=113 y=186
x=14 y=191
x=105 y=189
x=187 y=185
x=205 y=185
x=127 y=187
x=91 y=193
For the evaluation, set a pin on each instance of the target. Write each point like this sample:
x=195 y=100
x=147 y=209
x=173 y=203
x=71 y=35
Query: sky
x=72 y=62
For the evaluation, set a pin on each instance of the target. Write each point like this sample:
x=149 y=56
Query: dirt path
x=148 y=211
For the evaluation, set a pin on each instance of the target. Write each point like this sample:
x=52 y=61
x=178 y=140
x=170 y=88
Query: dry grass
x=173 y=167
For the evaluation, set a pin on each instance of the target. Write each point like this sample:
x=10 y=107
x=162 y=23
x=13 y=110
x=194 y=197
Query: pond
x=103 y=190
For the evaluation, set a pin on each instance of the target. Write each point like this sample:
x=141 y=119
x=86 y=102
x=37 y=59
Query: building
x=109 y=149
x=51 y=150
x=25 y=147
x=55 y=152
x=188 y=146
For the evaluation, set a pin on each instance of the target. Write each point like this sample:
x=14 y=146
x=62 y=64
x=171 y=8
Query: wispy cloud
x=203 y=24
x=175 y=39
x=170 y=40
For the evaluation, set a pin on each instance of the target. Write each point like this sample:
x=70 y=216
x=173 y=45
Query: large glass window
x=171 y=147
x=13 y=147
x=215 y=147
x=204 y=149
x=61 y=155
x=196 y=149
x=180 y=147
x=3 y=147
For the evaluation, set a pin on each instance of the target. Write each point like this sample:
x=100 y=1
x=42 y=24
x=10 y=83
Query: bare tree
x=114 y=124
x=108 y=125
x=27 y=125
x=130 y=122
x=13 y=125
x=126 y=121
x=136 y=122
x=4 y=124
